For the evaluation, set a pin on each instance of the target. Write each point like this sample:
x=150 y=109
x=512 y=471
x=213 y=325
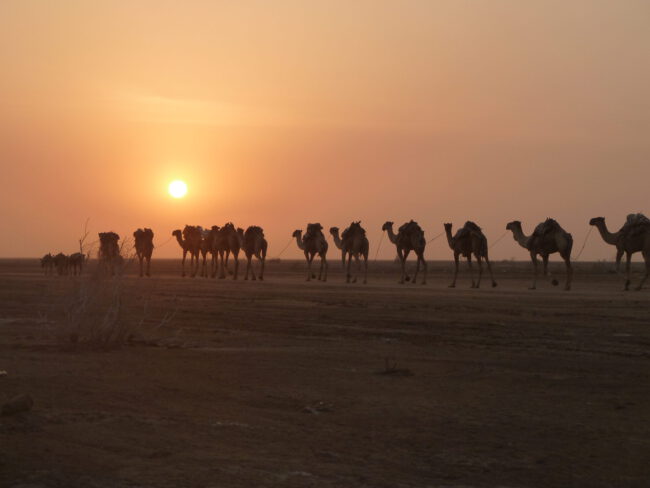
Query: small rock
x=20 y=403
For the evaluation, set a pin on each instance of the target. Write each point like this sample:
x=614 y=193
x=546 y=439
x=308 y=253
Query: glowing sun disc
x=177 y=189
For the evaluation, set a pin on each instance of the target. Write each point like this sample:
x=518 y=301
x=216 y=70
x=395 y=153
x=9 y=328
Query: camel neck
x=520 y=237
x=608 y=237
x=450 y=239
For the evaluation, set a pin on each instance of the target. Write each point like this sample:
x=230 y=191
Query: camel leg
x=619 y=255
x=148 y=265
x=489 y=267
x=248 y=267
x=263 y=263
x=309 y=260
x=471 y=270
x=424 y=269
x=236 y=258
x=545 y=261
x=417 y=269
x=646 y=258
x=533 y=256
x=348 y=274
x=453 y=283
x=402 y=260
x=358 y=258
x=480 y=270
x=323 y=268
x=365 y=265
x=183 y=263
x=569 y=273
x=628 y=261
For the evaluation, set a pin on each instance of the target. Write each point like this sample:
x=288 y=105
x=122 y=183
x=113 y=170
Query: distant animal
x=253 y=244
x=469 y=240
x=230 y=241
x=144 y=249
x=61 y=262
x=311 y=244
x=76 y=262
x=353 y=244
x=47 y=263
x=548 y=238
x=109 y=251
x=190 y=241
x=631 y=238
x=410 y=237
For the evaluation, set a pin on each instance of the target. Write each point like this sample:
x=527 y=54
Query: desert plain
x=222 y=383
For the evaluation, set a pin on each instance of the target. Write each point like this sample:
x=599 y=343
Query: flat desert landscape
x=292 y=384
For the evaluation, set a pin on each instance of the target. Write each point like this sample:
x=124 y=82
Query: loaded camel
x=410 y=237
x=109 y=251
x=190 y=241
x=469 y=240
x=353 y=243
x=254 y=244
x=144 y=248
x=311 y=244
x=47 y=263
x=548 y=238
x=633 y=237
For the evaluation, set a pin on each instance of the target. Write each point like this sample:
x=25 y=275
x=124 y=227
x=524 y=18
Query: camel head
x=597 y=220
x=297 y=233
x=177 y=233
x=334 y=230
x=448 y=227
x=387 y=226
x=514 y=225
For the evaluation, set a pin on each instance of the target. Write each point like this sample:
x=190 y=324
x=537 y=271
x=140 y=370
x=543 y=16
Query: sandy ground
x=288 y=383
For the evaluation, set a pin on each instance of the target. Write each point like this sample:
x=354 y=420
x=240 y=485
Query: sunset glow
x=178 y=189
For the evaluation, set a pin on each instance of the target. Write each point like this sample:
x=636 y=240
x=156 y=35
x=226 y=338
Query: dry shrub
x=94 y=313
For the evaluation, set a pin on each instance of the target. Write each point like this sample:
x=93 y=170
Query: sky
x=287 y=112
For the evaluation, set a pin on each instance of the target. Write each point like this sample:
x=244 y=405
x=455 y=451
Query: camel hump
x=411 y=226
x=635 y=224
x=546 y=227
x=355 y=229
x=254 y=230
x=471 y=226
x=314 y=230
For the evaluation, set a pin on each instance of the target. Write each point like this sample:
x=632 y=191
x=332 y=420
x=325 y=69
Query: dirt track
x=285 y=383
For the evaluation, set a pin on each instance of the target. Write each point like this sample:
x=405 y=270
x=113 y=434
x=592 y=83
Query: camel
x=47 y=263
x=313 y=243
x=61 y=263
x=190 y=241
x=144 y=248
x=109 y=251
x=469 y=240
x=548 y=238
x=230 y=244
x=254 y=244
x=629 y=239
x=206 y=248
x=353 y=243
x=410 y=237
x=76 y=262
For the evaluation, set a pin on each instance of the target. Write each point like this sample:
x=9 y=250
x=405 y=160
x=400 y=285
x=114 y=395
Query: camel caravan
x=223 y=245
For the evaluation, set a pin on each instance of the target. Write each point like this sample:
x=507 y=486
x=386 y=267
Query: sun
x=177 y=189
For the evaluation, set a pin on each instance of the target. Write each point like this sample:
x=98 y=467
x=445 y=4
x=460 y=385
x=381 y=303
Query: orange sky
x=279 y=113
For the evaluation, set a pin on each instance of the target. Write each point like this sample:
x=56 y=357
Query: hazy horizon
x=283 y=114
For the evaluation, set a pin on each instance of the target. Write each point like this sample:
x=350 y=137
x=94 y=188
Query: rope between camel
x=436 y=237
x=284 y=249
x=497 y=241
x=165 y=243
x=379 y=246
x=584 y=244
